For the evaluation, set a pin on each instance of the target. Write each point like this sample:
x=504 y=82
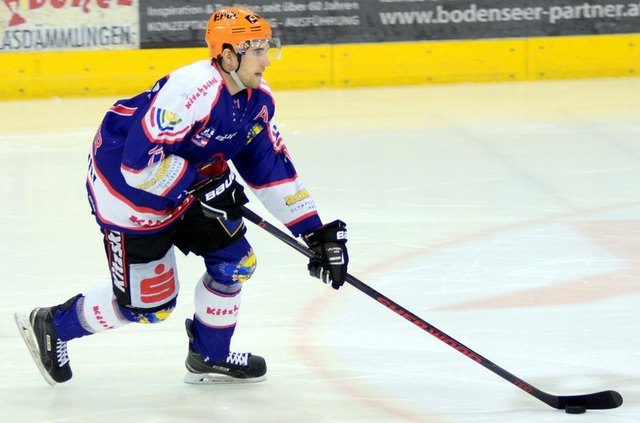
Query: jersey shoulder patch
x=187 y=97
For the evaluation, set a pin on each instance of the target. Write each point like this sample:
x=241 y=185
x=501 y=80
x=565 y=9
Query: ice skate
x=236 y=368
x=48 y=351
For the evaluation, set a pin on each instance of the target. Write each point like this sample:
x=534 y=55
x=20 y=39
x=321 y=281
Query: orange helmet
x=238 y=27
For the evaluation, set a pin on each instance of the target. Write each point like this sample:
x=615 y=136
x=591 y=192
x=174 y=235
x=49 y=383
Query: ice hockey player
x=159 y=177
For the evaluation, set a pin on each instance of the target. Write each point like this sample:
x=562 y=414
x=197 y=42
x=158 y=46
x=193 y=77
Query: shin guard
x=216 y=316
x=99 y=310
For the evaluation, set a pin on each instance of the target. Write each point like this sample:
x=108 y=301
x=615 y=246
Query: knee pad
x=140 y=315
x=228 y=271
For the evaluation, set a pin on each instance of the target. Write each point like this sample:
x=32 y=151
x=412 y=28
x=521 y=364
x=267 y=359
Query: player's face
x=254 y=62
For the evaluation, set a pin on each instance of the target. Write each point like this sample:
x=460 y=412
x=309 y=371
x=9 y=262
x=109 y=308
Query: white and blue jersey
x=149 y=148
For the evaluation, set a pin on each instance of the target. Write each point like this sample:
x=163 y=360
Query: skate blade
x=26 y=331
x=217 y=379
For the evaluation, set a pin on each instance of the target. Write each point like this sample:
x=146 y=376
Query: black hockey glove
x=221 y=197
x=329 y=242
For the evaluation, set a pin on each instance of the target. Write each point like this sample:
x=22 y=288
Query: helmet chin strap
x=233 y=73
x=237 y=80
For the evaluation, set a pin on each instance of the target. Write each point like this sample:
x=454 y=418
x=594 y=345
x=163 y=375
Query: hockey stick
x=598 y=400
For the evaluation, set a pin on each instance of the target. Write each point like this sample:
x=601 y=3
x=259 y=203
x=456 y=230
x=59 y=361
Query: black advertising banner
x=178 y=23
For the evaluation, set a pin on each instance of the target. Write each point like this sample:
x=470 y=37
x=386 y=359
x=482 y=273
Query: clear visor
x=269 y=47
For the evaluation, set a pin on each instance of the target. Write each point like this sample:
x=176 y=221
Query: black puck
x=575 y=409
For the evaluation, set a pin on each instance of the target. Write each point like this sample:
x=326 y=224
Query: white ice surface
x=507 y=215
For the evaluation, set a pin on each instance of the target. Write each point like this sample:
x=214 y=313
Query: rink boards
x=115 y=72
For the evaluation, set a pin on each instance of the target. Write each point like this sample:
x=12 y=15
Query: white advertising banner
x=67 y=25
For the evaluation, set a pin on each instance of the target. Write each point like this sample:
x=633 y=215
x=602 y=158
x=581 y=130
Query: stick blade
x=604 y=400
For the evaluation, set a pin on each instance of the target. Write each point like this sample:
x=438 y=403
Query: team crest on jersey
x=166 y=119
x=254 y=131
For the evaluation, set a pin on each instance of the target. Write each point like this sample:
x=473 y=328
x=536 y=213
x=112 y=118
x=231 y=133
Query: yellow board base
x=126 y=72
